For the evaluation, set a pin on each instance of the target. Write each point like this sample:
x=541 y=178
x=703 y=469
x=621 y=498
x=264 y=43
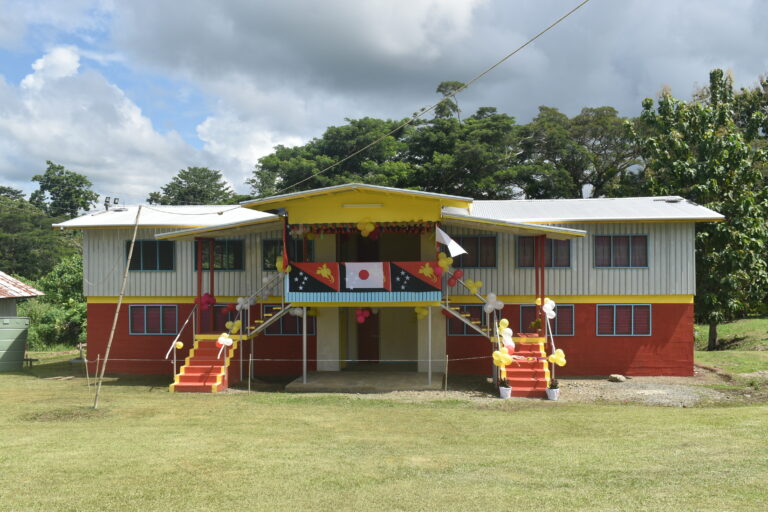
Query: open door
x=368 y=340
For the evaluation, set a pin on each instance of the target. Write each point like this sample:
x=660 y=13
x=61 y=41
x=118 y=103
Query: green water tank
x=13 y=342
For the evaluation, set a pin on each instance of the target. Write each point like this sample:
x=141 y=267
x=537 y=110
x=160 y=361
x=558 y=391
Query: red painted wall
x=133 y=353
x=668 y=351
x=143 y=354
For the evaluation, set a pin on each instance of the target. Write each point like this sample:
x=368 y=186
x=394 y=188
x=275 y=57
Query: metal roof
x=625 y=209
x=517 y=228
x=244 y=227
x=11 y=288
x=352 y=186
x=165 y=216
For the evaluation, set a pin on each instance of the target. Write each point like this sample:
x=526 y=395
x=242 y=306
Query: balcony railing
x=364 y=282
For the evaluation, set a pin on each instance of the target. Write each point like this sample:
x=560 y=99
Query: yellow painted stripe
x=471 y=220
x=583 y=299
x=168 y=300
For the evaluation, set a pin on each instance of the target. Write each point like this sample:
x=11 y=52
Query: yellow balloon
x=370 y=227
x=538 y=301
x=503 y=324
x=229 y=325
x=179 y=345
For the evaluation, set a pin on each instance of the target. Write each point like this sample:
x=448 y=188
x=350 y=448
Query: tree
x=194 y=185
x=30 y=248
x=565 y=157
x=380 y=165
x=698 y=151
x=450 y=105
x=62 y=192
x=59 y=316
x=11 y=193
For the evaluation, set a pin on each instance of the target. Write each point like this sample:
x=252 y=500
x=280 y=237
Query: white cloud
x=80 y=120
x=60 y=62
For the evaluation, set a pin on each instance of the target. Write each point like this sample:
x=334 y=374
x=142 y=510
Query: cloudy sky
x=129 y=92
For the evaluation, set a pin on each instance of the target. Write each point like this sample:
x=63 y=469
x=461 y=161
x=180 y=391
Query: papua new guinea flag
x=415 y=276
x=314 y=277
x=373 y=275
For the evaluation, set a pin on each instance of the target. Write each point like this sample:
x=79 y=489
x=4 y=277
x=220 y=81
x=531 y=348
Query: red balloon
x=458 y=273
x=219 y=344
x=451 y=282
x=360 y=319
x=231 y=308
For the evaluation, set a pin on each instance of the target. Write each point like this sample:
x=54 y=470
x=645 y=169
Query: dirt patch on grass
x=57 y=415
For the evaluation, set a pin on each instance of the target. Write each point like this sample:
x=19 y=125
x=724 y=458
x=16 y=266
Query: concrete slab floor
x=365 y=382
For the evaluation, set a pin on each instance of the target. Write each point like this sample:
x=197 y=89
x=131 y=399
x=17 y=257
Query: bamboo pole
x=117 y=310
x=446 y=373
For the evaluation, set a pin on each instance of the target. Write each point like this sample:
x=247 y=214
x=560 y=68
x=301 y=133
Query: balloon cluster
x=454 y=279
x=474 y=286
x=279 y=265
x=549 y=308
x=205 y=302
x=234 y=327
x=362 y=314
x=366 y=228
x=557 y=358
x=421 y=312
x=224 y=340
x=492 y=304
x=242 y=303
x=502 y=358
x=444 y=261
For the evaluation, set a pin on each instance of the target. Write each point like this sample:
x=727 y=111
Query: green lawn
x=147 y=449
x=746 y=334
x=734 y=361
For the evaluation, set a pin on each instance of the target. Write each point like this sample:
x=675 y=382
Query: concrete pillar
x=438 y=342
x=328 y=335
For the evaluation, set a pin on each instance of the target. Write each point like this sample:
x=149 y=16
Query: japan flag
x=369 y=275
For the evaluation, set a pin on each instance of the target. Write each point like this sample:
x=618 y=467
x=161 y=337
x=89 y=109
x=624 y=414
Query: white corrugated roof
x=11 y=288
x=165 y=216
x=628 y=209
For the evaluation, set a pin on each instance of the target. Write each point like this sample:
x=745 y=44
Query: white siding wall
x=104 y=263
x=671 y=264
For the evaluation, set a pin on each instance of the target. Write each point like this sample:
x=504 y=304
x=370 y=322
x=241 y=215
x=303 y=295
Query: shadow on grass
x=68 y=369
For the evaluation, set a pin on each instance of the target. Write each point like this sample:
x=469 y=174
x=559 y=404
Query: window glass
x=623 y=320
x=557 y=253
x=525 y=248
x=642 y=320
x=639 y=251
x=564 y=320
x=487 y=251
x=153 y=319
x=605 y=320
x=287 y=325
x=458 y=328
x=602 y=251
x=151 y=255
x=527 y=316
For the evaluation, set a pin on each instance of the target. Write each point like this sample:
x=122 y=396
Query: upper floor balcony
x=364 y=283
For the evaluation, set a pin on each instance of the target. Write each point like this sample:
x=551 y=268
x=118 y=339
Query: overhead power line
x=425 y=110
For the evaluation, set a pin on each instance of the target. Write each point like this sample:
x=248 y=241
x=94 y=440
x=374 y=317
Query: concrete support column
x=328 y=336
x=438 y=343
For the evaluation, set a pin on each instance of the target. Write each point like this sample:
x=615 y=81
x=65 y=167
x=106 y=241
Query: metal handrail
x=173 y=343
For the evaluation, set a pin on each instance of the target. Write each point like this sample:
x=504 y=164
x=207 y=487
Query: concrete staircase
x=529 y=377
x=203 y=371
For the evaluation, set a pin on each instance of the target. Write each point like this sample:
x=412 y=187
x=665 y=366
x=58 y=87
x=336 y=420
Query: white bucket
x=553 y=394
x=505 y=392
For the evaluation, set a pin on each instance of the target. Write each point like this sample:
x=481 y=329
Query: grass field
x=147 y=449
x=746 y=334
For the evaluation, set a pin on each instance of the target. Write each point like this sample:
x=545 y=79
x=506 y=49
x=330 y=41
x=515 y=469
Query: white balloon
x=296 y=311
x=551 y=314
x=547 y=307
x=223 y=339
x=227 y=342
x=498 y=305
x=488 y=308
x=491 y=297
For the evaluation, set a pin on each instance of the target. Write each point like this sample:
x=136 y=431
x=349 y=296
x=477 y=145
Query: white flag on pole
x=453 y=248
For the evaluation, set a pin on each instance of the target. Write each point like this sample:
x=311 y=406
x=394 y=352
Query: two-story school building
x=337 y=278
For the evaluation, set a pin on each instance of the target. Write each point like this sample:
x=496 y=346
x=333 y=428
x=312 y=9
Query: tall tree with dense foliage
x=28 y=246
x=62 y=192
x=697 y=150
x=590 y=152
x=194 y=185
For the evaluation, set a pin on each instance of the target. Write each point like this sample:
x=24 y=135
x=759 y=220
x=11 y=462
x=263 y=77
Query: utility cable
x=425 y=110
